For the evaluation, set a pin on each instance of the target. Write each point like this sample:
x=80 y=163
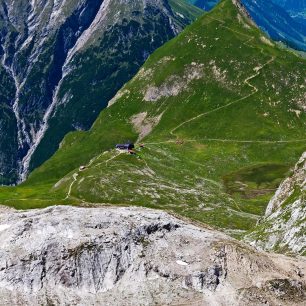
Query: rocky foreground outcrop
x=135 y=256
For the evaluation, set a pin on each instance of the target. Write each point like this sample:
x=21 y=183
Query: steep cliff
x=133 y=256
x=62 y=61
x=284 y=226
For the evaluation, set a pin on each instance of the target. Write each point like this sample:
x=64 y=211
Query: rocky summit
x=134 y=256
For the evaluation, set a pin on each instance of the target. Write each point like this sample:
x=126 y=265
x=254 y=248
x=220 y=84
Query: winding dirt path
x=75 y=178
x=246 y=81
x=172 y=132
x=228 y=140
x=76 y=174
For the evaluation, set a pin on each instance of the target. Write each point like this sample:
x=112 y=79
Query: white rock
x=181 y=263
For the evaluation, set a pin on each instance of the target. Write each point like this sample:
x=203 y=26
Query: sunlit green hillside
x=219 y=110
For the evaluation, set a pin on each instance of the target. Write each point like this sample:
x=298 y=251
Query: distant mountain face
x=292 y=5
x=62 y=61
x=283 y=20
x=204 y=4
x=296 y=9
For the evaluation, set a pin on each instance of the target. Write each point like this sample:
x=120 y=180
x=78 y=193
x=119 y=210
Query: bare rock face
x=283 y=228
x=135 y=256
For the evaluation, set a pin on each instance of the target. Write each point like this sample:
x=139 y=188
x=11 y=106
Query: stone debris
x=134 y=256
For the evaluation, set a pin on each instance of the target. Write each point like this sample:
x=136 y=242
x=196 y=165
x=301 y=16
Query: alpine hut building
x=125 y=147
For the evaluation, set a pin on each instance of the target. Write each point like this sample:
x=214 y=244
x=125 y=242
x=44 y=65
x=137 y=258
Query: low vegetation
x=230 y=126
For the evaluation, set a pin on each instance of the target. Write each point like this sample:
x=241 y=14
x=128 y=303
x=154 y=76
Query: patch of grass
x=255 y=180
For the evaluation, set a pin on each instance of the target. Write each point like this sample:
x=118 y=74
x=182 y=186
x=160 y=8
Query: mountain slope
x=204 y=4
x=47 y=48
x=283 y=20
x=296 y=9
x=284 y=226
x=221 y=112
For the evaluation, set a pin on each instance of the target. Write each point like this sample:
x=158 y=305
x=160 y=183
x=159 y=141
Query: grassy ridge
x=224 y=107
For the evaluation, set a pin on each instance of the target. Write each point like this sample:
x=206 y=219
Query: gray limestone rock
x=135 y=256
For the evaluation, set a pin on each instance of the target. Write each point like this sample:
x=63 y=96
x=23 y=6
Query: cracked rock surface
x=135 y=256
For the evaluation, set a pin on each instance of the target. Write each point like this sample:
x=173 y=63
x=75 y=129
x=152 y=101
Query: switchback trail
x=76 y=174
x=75 y=178
x=246 y=81
x=254 y=91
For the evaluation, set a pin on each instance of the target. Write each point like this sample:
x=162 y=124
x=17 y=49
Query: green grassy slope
x=205 y=4
x=185 y=10
x=223 y=106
